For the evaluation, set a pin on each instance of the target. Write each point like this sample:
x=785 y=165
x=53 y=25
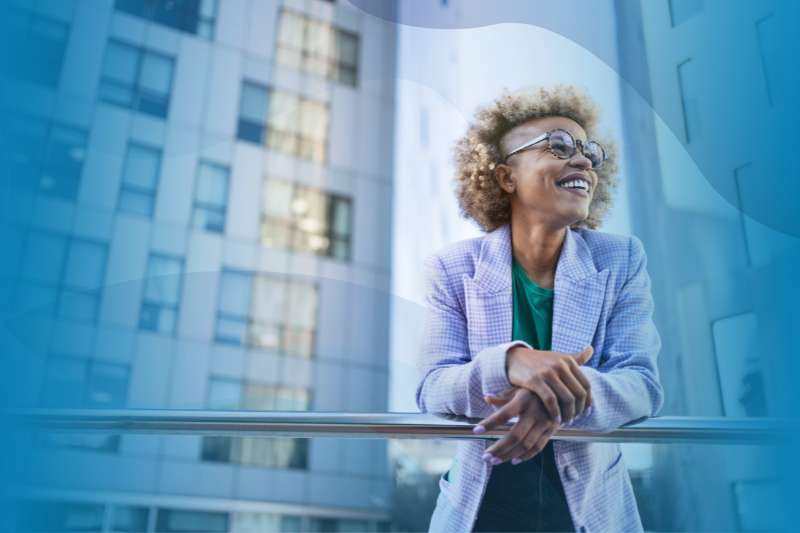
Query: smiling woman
x=543 y=319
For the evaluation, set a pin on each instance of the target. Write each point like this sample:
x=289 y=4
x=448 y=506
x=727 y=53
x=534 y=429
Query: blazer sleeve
x=625 y=387
x=451 y=381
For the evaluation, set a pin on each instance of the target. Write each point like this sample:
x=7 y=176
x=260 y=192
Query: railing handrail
x=299 y=424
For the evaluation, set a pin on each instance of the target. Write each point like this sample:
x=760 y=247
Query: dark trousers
x=525 y=497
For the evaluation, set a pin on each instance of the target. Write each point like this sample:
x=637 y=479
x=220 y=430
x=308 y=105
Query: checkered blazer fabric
x=602 y=296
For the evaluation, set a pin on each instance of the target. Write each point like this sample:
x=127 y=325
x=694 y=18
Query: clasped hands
x=547 y=386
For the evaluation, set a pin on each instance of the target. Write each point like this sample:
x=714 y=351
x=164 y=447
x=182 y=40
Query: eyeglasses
x=563 y=145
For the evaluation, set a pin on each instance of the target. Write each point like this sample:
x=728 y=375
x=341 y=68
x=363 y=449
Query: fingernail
x=496 y=461
x=487 y=457
x=489 y=394
x=479 y=430
x=516 y=461
x=558 y=419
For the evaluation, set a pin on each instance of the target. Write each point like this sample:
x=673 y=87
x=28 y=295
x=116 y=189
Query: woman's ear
x=502 y=174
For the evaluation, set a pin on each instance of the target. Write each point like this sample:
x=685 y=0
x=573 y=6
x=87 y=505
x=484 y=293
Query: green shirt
x=533 y=310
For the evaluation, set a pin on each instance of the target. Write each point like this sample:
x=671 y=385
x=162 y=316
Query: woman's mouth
x=575 y=186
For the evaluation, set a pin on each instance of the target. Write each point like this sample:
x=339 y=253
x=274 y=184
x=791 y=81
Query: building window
x=318 y=48
x=305 y=219
x=688 y=80
x=45 y=157
x=267 y=312
x=245 y=521
x=334 y=524
x=62 y=275
x=140 y=180
x=739 y=366
x=58 y=516
x=39 y=44
x=78 y=383
x=772 y=58
x=192 y=16
x=137 y=79
x=162 y=291
x=128 y=518
x=681 y=10
x=210 y=197
x=282 y=121
x=176 y=521
x=230 y=394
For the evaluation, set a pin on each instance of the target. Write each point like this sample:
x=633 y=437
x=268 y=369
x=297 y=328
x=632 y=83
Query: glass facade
x=681 y=10
x=210 y=197
x=192 y=16
x=317 y=47
x=773 y=57
x=41 y=44
x=306 y=219
x=136 y=78
x=230 y=394
x=161 y=294
x=283 y=121
x=140 y=180
x=267 y=312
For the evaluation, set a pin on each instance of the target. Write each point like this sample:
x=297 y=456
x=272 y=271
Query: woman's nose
x=580 y=161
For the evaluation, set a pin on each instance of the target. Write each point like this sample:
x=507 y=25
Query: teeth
x=576 y=183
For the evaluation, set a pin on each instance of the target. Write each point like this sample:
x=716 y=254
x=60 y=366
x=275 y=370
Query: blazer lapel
x=578 y=301
x=489 y=297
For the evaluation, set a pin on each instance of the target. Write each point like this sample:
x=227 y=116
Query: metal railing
x=376 y=425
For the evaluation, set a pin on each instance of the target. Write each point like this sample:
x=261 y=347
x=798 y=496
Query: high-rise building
x=200 y=200
x=700 y=78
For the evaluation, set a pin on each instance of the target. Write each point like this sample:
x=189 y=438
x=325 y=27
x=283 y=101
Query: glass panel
x=264 y=335
x=217 y=449
x=35 y=297
x=250 y=131
x=44 y=257
x=103 y=443
x=122 y=63
x=234 y=293
x=212 y=185
x=341 y=217
x=156 y=75
x=291 y=29
x=224 y=394
x=171 y=521
x=142 y=166
x=230 y=330
x=152 y=104
x=130 y=519
x=208 y=219
x=137 y=203
x=277 y=198
x=64 y=382
x=276 y=233
x=256 y=523
x=116 y=94
x=302 y=300
x=108 y=386
x=253 y=106
x=208 y=8
x=86 y=264
x=163 y=280
x=347 y=45
x=157 y=318
x=268 y=301
x=314 y=120
x=773 y=56
x=283 y=108
x=134 y=7
x=167 y=13
x=299 y=342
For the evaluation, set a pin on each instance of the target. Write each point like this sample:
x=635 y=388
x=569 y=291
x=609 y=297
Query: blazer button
x=569 y=471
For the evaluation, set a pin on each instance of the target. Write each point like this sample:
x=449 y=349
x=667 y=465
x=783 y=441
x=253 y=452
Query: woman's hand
x=529 y=434
x=554 y=377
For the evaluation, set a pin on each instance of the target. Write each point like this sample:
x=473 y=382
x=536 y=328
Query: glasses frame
x=575 y=143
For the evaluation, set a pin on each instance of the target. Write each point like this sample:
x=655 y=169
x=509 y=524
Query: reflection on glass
x=681 y=10
x=191 y=16
x=305 y=219
x=139 y=180
x=688 y=77
x=737 y=348
x=317 y=47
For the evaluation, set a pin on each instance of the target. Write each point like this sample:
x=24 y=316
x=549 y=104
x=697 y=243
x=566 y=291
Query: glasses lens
x=595 y=154
x=562 y=144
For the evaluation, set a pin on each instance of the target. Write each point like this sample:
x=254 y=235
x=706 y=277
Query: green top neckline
x=529 y=284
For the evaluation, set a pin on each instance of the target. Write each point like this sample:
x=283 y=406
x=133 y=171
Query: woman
x=543 y=318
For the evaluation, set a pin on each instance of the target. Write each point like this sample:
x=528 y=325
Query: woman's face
x=535 y=177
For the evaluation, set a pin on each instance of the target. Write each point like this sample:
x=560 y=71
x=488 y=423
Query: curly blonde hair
x=477 y=154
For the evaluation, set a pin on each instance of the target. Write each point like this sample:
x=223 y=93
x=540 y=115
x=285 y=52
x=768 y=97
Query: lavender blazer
x=602 y=296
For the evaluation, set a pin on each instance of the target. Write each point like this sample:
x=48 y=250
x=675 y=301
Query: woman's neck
x=537 y=249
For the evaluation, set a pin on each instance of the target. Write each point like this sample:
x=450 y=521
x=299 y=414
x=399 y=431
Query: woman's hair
x=477 y=154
